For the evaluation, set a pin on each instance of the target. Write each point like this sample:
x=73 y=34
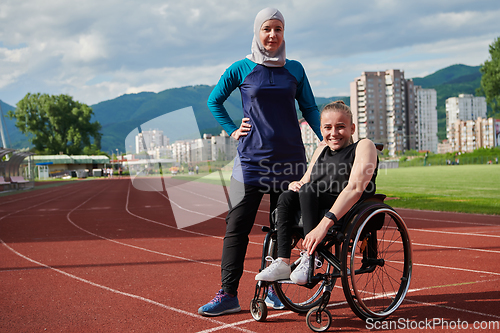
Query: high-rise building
x=383 y=109
x=148 y=140
x=464 y=107
x=426 y=122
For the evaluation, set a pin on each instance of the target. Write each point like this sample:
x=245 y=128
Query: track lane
x=177 y=241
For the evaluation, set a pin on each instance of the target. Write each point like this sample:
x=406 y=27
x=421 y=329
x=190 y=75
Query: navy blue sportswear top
x=273 y=152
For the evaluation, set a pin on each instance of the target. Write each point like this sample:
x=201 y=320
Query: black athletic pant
x=244 y=203
x=310 y=201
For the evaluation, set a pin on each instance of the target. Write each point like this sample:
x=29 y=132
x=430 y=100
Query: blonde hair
x=338 y=106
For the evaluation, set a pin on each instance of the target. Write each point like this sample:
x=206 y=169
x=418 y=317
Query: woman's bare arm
x=365 y=164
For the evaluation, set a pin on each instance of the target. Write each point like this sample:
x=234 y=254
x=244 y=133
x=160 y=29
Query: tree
x=56 y=124
x=490 y=81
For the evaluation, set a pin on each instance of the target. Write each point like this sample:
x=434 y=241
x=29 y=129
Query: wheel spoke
x=383 y=271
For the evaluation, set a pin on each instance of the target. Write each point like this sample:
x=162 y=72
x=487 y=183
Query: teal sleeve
x=305 y=97
x=229 y=81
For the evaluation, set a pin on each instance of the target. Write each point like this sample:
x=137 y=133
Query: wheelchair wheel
x=295 y=297
x=376 y=262
x=258 y=309
x=318 y=321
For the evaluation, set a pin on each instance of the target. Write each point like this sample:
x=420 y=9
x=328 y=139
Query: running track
x=102 y=256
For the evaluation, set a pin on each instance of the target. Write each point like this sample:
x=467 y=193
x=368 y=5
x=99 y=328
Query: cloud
x=89 y=48
x=98 y=50
x=416 y=61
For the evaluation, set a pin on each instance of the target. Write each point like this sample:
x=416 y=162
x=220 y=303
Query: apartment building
x=164 y=152
x=411 y=116
x=466 y=136
x=201 y=149
x=454 y=134
x=444 y=147
x=464 y=107
x=181 y=151
x=383 y=109
x=224 y=147
x=148 y=140
x=426 y=119
x=207 y=148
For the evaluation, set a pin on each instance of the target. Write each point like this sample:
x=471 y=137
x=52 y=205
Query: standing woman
x=270 y=150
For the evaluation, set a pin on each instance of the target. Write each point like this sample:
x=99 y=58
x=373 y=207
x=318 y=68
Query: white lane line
x=246 y=321
x=331 y=305
x=163 y=224
x=260 y=225
x=130 y=245
x=140 y=298
x=457 y=269
x=233 y=325
x=453 y=233
x=182 y=188
x=172 y=227
x=454 y=247
x=445 y=246
x=155 y=252
x=407 y=218
x=108 y=288
x=454 y=308
x=450 y=307
x=487 y=232
x=261 y=244
x=448 y=221
x=135 y=296
x=203 y=196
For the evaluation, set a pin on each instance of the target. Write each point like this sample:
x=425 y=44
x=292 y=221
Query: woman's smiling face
x=271 y=35
x=336 y=128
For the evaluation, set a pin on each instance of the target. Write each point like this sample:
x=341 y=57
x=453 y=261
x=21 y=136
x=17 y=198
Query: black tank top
x=333 y=168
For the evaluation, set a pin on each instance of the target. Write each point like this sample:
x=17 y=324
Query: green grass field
x=462 y=188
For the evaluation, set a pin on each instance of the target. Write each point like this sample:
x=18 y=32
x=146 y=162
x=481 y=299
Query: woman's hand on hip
x=243 y=130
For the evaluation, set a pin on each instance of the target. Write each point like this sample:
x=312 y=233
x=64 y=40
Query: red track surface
x=103 y=256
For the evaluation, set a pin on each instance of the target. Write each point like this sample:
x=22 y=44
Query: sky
x=97 y=50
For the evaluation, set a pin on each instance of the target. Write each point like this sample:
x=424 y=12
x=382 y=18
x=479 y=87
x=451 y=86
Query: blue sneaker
x=272 y=300
x=221 y=304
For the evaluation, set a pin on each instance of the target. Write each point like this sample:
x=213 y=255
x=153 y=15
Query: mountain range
x=124 y=114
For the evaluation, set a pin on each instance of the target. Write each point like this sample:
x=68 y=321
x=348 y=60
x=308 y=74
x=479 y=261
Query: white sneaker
x=301 y=272
x=278 y=270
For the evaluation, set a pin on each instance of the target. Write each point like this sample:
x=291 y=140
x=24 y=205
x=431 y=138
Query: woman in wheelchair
x=340 y=174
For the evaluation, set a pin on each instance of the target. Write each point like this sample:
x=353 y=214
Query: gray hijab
x=259 y=54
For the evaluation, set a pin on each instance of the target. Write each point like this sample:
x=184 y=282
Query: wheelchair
x=371 y=254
